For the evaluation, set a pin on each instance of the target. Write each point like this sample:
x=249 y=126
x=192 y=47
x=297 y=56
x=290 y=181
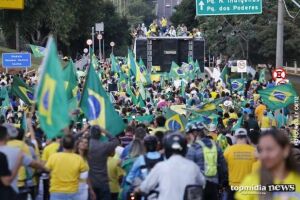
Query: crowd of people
x=161 y=28
x=147 y=160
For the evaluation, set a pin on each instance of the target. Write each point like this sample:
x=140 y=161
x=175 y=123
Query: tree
x=70 y=22
x=229 y=35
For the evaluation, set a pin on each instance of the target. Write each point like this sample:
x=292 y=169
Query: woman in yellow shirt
x=278 y=166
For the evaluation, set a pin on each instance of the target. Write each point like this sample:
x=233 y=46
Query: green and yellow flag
x=37 y=51
x=50 y=96
x=22 y=90
x=279 y=96
x=175 y=121
x=71 y=81
x=135 y=69
x=176 y=72
x=97 y=107
x=237 y=84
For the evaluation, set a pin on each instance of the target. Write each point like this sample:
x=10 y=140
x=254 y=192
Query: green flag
x=5 y=100
x=225 y=75
x=176 y=72
x=114 y=64
x=24 y=123
x=262 y=75
x=142 y=119
x=175 y=121
x=97 y=107
x=37 y=51
x=237 y=84
x=279 y=96
x=22 y=90
x=238 y=124
x=50 y=95
x=135 y=69
x=140 y=102
x=131 y=94
x=71 y=81
x=182 y=88
x=142 y=91
x=145 y=72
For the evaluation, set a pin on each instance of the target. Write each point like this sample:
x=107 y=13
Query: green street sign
x=228 y=7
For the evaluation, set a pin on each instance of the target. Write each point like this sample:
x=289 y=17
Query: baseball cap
x=240 y=132
x=11 y=130
x=212 y=127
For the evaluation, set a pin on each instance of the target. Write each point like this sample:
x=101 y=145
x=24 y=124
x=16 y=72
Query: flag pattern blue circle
x=94 y=106
x=174 y=125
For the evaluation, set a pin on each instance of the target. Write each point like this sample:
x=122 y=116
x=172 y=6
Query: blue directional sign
x=228 y=7
x=16 y=60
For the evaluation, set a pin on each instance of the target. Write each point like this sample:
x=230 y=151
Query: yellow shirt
x=233 y=116
x=266 y=122
x=239 y=158
x=225 y=121
x=254 y=179
x=49 y=150
x=25 y=149
x=65 y=171
x=164 y=22
x=114 y=173
x=213 y=95
x=256 y=166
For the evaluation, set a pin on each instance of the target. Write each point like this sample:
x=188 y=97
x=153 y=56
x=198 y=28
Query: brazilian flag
x=175 y=121
x=238 y=124
x=144 y=71
x=237 y=84
x=135 y=69
x=50 y=95
x=22 y=90
x=97 y=107
x=37 y=51
x=279 y=96
x=176 y=72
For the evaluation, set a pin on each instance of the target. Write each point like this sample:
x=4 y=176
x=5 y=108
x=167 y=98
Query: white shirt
x=172 y=176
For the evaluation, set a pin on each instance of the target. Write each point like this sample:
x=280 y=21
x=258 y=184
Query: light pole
x=112 y=44
x=89 y=43
x=279 y=41
x=99 y=37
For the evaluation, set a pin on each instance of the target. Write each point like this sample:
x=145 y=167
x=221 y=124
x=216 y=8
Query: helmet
x=150 y=143
x=175 y=143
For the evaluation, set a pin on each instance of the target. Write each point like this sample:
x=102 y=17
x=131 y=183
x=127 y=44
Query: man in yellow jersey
x=65 y=168
x=164 y=23
x=240 y=158
x=50 y=149
x=266 y=122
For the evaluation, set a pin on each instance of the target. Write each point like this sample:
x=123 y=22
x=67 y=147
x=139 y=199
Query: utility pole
x=279 y=42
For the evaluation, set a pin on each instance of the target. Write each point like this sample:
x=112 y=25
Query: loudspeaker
x=183 y=48
x=141 y=50
x=198 y=51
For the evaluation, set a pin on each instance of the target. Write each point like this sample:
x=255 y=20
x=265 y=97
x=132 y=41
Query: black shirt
x=6 y=192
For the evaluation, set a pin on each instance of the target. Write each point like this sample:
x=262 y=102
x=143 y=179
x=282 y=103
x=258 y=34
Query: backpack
x=210 y=156
x=150 y=163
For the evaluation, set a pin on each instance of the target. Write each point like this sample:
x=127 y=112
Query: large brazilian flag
x=97 y=107
x=51 y=97
x=279 y=96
